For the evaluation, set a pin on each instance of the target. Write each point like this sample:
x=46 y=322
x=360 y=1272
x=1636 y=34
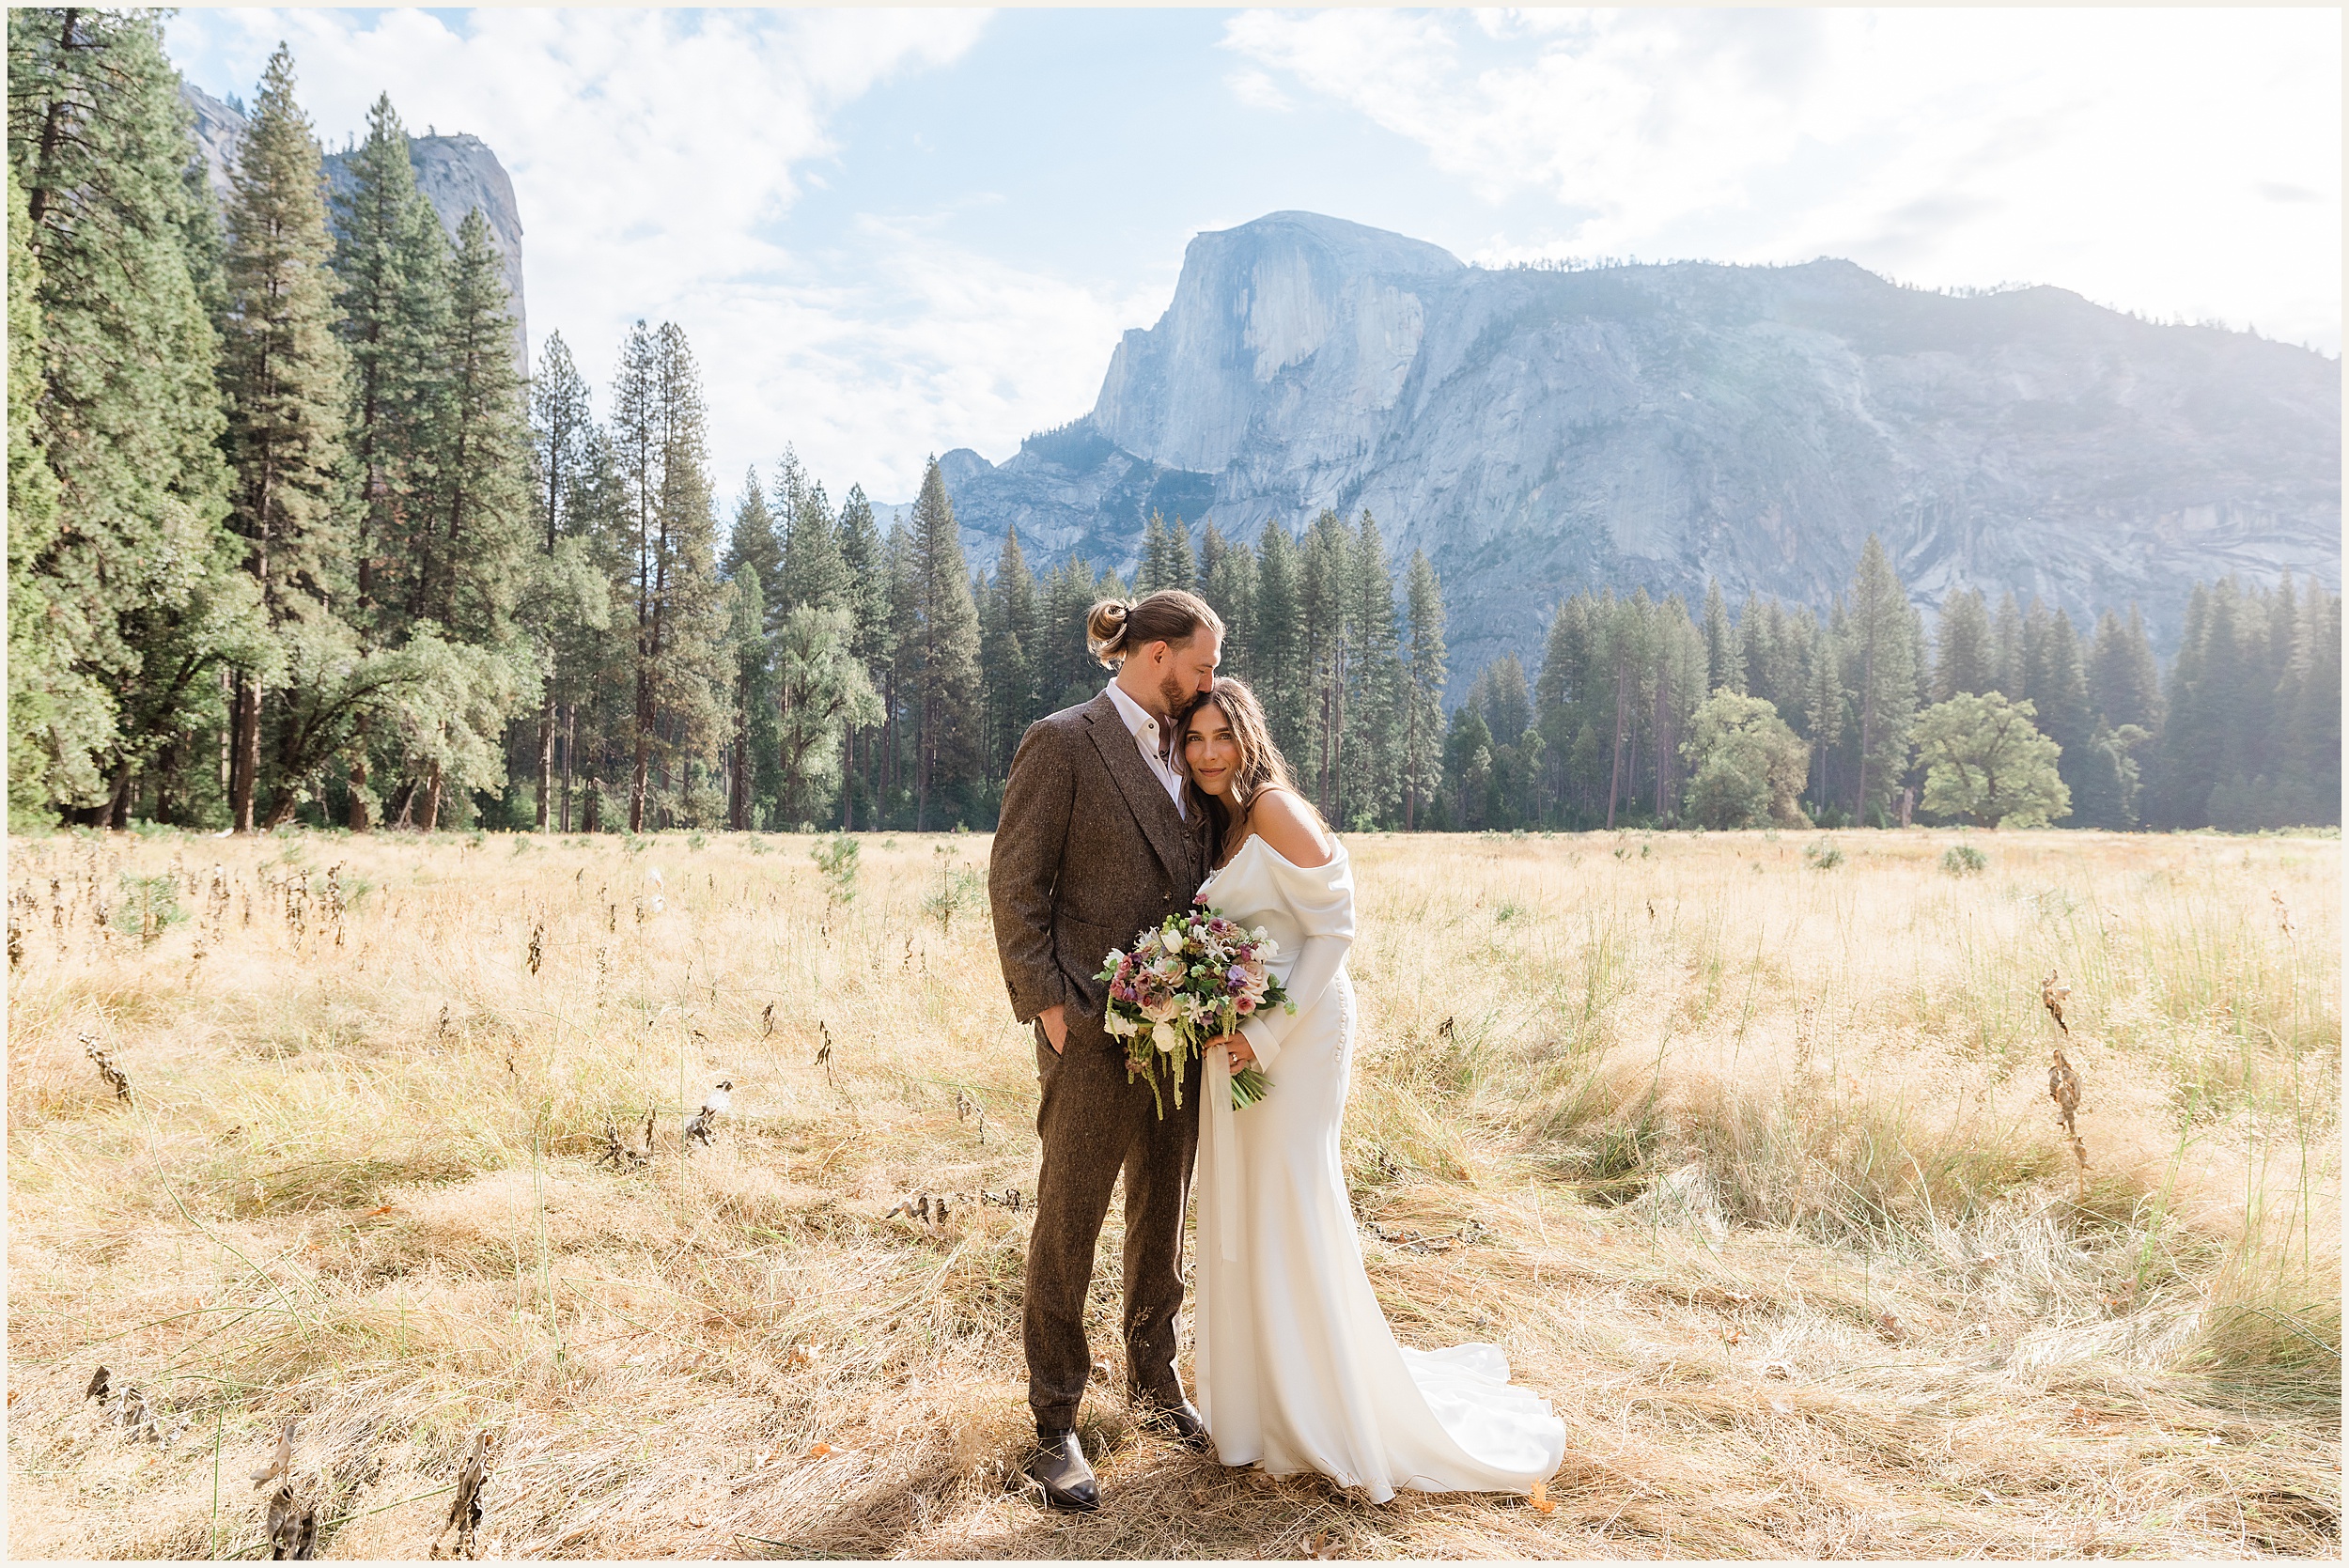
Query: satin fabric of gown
x=1295 y=1368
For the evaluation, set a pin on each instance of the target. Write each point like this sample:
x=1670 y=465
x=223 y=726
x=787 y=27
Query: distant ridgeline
x=292 y=540
x=1539 y=433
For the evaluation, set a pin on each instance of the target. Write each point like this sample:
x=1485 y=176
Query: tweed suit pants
x=1095 y=1125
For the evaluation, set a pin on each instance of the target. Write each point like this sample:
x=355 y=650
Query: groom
x=1095 y=845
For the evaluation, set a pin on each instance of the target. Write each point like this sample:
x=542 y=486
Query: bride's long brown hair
x=1261 y=764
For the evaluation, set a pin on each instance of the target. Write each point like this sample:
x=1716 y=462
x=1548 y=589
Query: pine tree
x=1150 y=563
x=480 y=449
x=1506 y=700
x=1422 y=722
x=1327 y=623
x=2317 y=704
x=1679 y=690
x=2193 y=745
x=1009 y=671
x=947 y=674
x=754 y=547
x=2232 y=695
x=1886 y=688
x=862 y=555
x=753 y=695
x=658 y=427
x=1181 y=567
x=476 y=516
x=2006 y=648
x=821 y=692
x=392 y=261
x=1468 y=769
x=32 y=737
x=1370 y=783
x=1165 y=559
x=1562 y=697
x=813 y=573
x=1962 y=659
x=1757 y=655
x=2124 y=680
x=2056 y=684
x=1227 y=581
x=1724 y=664
x=1825 y=701
x=137 y=603
x=284 y=376
x=1630 y=652
x=569 y=456
x=1277 y=649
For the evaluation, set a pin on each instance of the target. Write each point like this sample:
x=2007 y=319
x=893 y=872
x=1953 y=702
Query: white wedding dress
x=1296 y=1367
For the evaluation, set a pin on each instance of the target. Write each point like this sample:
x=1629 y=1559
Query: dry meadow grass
x=1750 y=1163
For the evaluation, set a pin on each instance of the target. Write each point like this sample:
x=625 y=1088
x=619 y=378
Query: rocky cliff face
x=455 y=174
x=1538 y=431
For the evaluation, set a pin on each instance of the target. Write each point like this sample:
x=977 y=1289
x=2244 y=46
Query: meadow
x=1742 y=1144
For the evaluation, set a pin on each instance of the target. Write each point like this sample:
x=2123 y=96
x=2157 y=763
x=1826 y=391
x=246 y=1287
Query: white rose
x=1162 y=1036
x=1121 y=1026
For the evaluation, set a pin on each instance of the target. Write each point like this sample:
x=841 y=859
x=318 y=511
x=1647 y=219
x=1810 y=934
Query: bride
x=1296 y=1367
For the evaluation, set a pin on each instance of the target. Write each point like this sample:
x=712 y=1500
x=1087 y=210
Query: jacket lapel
x=1162 y=826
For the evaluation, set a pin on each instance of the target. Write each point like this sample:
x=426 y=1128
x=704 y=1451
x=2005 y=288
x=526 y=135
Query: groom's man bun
x=1116 y=626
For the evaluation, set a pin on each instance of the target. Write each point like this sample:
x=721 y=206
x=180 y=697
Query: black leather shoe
x=1177 y=1417
x=1059 y=1466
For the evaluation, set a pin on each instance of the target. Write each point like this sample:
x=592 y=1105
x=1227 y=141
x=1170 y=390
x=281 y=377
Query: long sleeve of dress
x=1322 y=900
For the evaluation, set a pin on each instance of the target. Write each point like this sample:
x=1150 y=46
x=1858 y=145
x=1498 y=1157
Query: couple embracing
x=1116 y=814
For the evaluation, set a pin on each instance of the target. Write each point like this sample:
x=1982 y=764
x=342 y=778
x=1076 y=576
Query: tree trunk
x=1867 y=726
x=739 y=773
x=116 y=815
x=282 y=809
x=361 y=818
x=1614 y=771
x=1663 y=687
x=642 y=769
x=244 y=759
x=848 y=781
x=167 y=774
x=922 y=768
x=546 y=761
x=431 y=793
x=53 y=127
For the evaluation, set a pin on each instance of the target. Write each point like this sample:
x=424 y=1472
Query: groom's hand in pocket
x=1055 y=1022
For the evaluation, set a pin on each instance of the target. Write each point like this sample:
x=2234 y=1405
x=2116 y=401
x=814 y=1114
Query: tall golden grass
x=1748 y=1159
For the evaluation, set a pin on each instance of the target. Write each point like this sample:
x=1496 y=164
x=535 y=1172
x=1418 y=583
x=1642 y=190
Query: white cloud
x=1258 y=90
x=925 y=347
x=656 y=157
x=2174 y=161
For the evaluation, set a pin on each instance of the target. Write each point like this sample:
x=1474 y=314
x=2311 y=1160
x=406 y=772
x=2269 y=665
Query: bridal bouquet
x=1185 y=982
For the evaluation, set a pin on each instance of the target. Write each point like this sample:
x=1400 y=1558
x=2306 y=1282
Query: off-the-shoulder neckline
x=1336 y=851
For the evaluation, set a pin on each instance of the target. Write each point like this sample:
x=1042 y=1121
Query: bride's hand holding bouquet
x=1188 y=984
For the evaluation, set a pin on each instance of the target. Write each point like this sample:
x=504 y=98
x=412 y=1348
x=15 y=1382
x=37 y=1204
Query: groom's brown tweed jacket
x=1091 y=850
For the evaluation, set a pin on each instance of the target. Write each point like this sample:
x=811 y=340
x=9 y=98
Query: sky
x=890 y=233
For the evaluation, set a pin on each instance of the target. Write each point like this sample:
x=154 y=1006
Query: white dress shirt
x=1147 y=738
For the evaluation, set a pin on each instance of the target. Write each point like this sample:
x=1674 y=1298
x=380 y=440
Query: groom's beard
x=1175 y=698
